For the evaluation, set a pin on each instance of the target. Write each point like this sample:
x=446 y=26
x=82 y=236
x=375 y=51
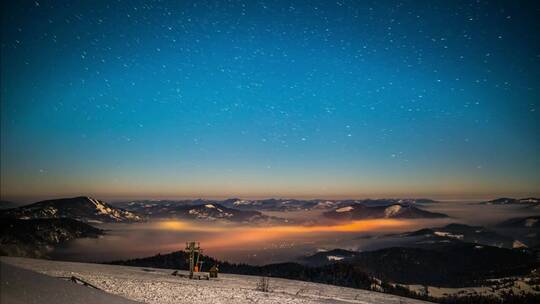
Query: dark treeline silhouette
x=456 y=265
x=340 y=274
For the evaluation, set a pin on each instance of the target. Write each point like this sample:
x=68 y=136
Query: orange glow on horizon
x=241 y=235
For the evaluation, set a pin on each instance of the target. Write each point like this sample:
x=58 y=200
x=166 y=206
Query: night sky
x=271 y=98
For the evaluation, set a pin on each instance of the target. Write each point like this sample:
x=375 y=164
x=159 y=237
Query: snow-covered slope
x=20 y=285
x=81 y=208
x=208 y=212
x=159 y=286
x=153 y=208
x=357 y=211
x=296 y=204
x=456 y=232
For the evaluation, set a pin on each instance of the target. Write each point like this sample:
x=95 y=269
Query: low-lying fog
x=269 y=244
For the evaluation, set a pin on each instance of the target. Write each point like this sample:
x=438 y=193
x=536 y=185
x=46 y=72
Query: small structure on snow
x=195 y=263
x=214 y=271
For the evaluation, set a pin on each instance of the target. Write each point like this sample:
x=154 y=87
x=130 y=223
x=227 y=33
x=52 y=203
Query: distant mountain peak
x=345 y=209
x=513 y=201
x=392 y=210
x=356 y=211
x=84 y=208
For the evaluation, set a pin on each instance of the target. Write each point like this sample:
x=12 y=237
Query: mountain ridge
x=359 y=211
x=81 y=208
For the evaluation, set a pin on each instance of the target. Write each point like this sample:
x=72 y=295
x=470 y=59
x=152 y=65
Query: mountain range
x=82 y=208
x=198 y=210
x=359 y=211
x=239 y=210
x=529 y=201
x=454 y=255
x=436 y=238
x=457 y=233
x=272 y=204
x=297 y=205
x=90 y=210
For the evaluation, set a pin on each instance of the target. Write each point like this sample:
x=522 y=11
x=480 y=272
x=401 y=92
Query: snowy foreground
x=158 y=286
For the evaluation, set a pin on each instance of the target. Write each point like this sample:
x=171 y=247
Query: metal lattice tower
x=193 y=248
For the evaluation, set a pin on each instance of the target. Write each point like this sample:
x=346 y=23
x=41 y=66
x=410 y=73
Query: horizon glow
x=319 y=99
x=228 y=236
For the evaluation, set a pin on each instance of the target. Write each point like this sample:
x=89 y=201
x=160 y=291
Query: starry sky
x=270 y=98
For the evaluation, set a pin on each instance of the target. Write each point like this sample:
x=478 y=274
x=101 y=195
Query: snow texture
x=23 y=286
x=392 y=210
x=345 y=209
x=334 y=258
x=158 y=286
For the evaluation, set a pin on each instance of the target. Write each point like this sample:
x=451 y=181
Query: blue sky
x=272 y=98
